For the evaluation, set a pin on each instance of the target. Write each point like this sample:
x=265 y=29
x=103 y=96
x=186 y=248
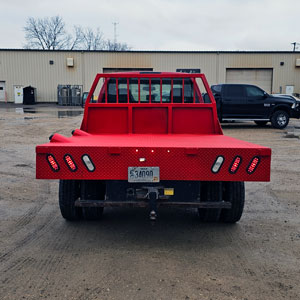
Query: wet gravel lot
x=123 y=256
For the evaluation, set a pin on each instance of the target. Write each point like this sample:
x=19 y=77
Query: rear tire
x=280 y=119
x=233 y=192
x=92 y=190
x=261 y=123
x=69 y=192
x=210 y=192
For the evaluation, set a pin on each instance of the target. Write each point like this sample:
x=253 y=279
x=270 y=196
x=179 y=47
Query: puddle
x=292 y=135
x=20 y=110
x=29 y=110
x=69 y=113
x=54 y=113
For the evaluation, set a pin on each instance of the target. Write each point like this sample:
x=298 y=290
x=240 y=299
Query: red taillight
x=70 y=163
x=235 y=164
x=253 y=165
x=52 y=162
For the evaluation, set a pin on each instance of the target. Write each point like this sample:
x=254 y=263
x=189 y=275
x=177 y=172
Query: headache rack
x=172 y=101
x=176 y=82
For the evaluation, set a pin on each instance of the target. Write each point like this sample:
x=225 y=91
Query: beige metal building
x=275 y=72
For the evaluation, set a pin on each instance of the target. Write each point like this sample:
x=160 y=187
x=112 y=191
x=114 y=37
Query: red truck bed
x=180 y=156
x=151 y=139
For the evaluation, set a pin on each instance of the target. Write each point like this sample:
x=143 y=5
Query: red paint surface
x=182 y=139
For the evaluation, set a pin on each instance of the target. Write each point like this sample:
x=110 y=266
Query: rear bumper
x=179 y=157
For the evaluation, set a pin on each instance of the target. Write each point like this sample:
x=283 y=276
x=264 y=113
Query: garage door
x=259 y=77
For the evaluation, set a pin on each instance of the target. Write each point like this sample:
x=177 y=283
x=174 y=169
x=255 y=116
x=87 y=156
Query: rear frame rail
x=103 y=203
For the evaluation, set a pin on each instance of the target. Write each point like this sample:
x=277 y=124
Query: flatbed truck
x=150 y=140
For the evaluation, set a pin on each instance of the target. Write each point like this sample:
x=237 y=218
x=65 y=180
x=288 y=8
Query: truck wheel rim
x=281 y=120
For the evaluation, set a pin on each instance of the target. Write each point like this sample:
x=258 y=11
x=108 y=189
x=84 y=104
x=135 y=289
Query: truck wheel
x=69 y=192
x=233 y=192
x=261 y=123
x=92 y=190
x=280 y=119
x=210 y=192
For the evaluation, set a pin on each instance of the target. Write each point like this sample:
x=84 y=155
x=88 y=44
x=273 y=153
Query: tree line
x=50 y=33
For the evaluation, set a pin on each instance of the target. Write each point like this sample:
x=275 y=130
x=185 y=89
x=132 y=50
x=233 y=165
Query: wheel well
x=284 y=108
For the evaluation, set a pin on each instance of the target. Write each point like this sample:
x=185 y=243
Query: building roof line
x=155 y=51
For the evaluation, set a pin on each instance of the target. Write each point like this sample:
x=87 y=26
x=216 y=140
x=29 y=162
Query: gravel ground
x=123 y=256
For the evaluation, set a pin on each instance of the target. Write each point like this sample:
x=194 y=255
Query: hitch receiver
x=152 y=195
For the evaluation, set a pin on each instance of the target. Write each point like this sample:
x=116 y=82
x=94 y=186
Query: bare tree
x=90 y=39
x=75 y=41
x=112 y=46
x=51 y=34
x=46 y=33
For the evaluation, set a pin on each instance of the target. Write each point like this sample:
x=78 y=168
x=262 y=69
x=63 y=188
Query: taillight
x=253 y=165
x=52 y=163
x=217 y=164
x=70 y=162
x=235 y=164
x=88 y=163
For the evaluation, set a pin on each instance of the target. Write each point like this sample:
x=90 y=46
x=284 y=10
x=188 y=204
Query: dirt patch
x=123 y=256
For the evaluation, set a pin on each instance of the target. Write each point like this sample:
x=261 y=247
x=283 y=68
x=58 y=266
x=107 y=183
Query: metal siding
x=33 y=68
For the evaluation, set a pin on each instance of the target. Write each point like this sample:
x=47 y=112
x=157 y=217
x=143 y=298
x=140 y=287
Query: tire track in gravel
x=25 y=219
x=47 y=261
x=36 y=233
x=55 y=257
x=236 y=255
x=32 y=213
x=16 y=267
x=91 y=293
x=241 y=255
x=32 y=236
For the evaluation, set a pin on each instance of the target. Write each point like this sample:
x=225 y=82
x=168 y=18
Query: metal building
x=275 y=72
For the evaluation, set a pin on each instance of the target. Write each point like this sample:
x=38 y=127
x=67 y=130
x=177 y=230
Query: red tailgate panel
x=176 y=163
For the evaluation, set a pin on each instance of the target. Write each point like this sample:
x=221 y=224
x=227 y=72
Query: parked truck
x=151 y=140
x=238 y=102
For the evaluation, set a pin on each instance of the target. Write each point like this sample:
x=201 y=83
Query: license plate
x=143 y=174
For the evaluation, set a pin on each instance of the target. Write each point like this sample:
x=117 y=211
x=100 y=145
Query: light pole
x=294 y=46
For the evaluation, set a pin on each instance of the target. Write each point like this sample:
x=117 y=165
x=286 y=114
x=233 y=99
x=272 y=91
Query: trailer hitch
x=152 y=195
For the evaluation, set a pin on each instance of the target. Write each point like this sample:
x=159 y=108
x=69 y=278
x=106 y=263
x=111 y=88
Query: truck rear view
x=152 y=139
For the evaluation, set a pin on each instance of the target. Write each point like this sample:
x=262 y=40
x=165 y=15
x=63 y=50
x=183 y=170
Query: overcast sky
x=167 y=24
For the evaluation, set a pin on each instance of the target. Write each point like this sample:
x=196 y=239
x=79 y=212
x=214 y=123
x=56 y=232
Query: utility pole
x=115 y=35
x=294 y=46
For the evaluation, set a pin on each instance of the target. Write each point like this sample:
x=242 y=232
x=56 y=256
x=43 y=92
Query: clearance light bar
x=52 y=163
x=253 y=165
x=235 y=164
x=217 y=164
x=70 y=162
x=88 y=163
